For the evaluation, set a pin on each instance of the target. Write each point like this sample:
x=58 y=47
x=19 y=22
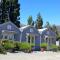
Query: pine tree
x=10 y=11
x=30 y=21
x=39 y=21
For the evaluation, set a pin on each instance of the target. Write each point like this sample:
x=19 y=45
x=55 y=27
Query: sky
x=49 y=10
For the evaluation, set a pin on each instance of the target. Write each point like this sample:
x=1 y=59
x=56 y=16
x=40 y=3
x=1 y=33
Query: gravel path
x=31 y=56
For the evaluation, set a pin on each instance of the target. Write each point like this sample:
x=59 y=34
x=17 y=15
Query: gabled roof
x=8 y=23
x=42 y=30
x=22 y=25
x=46 y=31
x=27 y=27
x=22 y=28
x=5 y=23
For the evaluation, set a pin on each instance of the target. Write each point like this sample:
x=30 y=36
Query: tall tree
x=30 y=21
x=39 y=21
x=10 y=11
x=47 y=25
x=54 y=28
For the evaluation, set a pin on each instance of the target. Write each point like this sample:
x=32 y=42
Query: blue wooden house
x=30 y=35
x=27 y=34
x=47 y=36
x=9 y=31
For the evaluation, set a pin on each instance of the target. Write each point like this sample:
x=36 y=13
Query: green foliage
x=54 y=47
x=30 y=21
x=48 y=25
x=17 y=45
x=32 y=44
x=7 y=44
x=54 y=28
x=59 y=48
x=10 y=11
x=2 y=50
x=39 y=22
x=12 y=46
x=43 y=45
x=26 y=47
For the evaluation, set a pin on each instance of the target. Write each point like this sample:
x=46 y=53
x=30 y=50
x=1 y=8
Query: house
x=24 y=34
x=27 y=34
x=9 y=31
x=47 y=36
x=31 y=35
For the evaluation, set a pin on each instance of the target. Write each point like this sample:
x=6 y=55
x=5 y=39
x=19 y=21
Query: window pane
x=5 y=37
x=9 y=27
x=29 y=39
x=32 y=40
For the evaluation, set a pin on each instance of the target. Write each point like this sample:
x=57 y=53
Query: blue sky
x=49 y=10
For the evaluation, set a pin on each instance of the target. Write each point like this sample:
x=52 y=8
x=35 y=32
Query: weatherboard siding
x=13 y=28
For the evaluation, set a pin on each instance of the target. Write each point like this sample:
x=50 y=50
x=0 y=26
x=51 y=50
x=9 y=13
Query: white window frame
x=31 y=30
x=9 y=27
x=30 y=38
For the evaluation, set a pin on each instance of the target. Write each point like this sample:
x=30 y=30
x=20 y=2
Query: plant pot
x=42 y=49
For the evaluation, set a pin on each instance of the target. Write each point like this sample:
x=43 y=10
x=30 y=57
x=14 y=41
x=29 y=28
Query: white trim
x=27 y=37
x=30 y=39
x=34 y=41
x=8 y=36
x=20 y=37
x=40 y=40
x=48 y=43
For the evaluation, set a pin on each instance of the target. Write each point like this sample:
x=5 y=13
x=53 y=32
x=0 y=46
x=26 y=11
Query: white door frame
x=30 y=39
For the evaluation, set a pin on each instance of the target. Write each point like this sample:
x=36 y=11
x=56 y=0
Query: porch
x=9 y=35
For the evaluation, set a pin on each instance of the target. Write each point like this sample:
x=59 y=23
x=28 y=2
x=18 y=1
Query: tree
x=39 y=22
x=48 y=25
x=10 y=11
x=54 y=28
x=30 y=21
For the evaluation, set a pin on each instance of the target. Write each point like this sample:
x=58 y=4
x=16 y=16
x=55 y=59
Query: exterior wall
x=59 y=42
x=49 y=33
x=37 y=43
x=13 y=28
x=34 y=32
x=22 y=36
x=27 y=30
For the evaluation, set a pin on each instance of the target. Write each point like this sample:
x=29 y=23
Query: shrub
x=43 y=45
x=59 y=48
x=26 y=47
x=32 y=46
x=7 y=44
x=2 y=50
x=17 y=46
x=54 y=47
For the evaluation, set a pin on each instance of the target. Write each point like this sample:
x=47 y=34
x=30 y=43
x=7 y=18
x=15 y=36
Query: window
x=46 y=40
x=30 y=39
x=31 y=30
x=9 y=27
x=11 y=37
x=5 y=37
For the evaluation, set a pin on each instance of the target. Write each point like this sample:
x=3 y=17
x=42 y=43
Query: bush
x=26 y=47
x=17 y=46
x=43 y=45
x=7 y=44
x=12 y=46
x=2 y=50
x=54 y=47
x=59 y=48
